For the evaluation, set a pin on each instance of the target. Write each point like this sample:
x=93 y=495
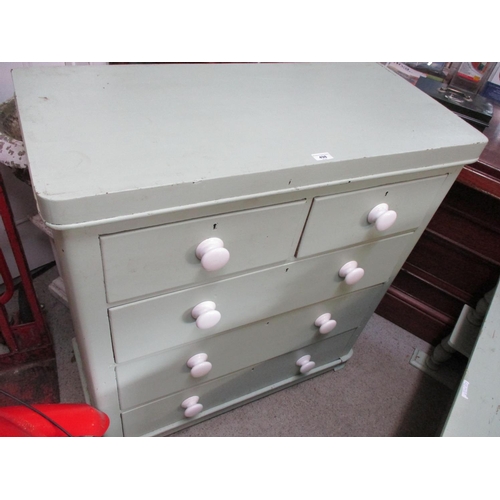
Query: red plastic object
x=78 y=420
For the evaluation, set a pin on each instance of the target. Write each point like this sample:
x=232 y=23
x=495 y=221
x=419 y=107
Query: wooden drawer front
x=237 y=387
x=341 y=220
x=155 y=324
x=161 y=258
x=156 y=376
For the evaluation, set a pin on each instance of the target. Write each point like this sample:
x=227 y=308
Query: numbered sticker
x=322 y=156
x=465 y=388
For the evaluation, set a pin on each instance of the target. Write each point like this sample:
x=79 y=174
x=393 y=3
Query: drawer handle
x=212 y=254
x=305 y=364
x=382 y=217
x=199 y=365
x=326 y=323
x=351 y=272
x=206 y=315
x=192 y=406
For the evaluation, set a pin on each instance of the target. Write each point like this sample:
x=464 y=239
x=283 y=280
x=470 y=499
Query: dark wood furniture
x=457 y=259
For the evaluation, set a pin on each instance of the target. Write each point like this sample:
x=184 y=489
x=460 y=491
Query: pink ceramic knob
x=382 y=217
x=212 y=254
x=351 y=272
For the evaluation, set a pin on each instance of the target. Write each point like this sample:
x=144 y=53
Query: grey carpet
x=378 y=393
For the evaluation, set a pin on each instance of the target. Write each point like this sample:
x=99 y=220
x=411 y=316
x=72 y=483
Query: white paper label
x=465 y=387
x=322 y=156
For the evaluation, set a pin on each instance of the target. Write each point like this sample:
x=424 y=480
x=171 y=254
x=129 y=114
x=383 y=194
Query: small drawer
x=342 y=220
x=161 y=258
x=156 y=376
x=151 y=325
x=165 y=415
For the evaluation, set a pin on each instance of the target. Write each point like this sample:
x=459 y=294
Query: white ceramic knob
x=212 y=254
x=326 y=323
x=351 y=272
x=382 y=217
x=305 y=364
x=199 y=365
x=205 y=315
x=192 y=406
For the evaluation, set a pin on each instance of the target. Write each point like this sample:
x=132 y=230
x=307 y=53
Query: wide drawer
x=160 y=258
x=341 y=220
x=151 y=325
x=166 y=414
x=156 y=376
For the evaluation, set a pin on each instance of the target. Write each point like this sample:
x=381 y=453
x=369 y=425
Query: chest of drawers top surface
x=117 y=141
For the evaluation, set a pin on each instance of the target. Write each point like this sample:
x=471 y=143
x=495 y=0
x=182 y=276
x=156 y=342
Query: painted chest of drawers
x=224 y=231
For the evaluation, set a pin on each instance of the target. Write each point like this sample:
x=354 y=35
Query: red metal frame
x=30 y=341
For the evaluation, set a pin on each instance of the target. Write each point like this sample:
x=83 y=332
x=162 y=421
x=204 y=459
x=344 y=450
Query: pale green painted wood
x=342 y=220
x=160 y=258
x=147 y=326
x=117 y=141
x=156 y=376
x=79 y=261
x=154 y=145
x=476 y=409
x=236 y=388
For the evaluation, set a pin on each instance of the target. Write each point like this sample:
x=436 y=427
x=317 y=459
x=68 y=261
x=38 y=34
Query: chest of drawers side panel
x=79 y=263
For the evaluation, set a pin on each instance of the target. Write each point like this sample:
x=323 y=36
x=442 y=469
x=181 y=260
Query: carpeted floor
x=378 y=393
